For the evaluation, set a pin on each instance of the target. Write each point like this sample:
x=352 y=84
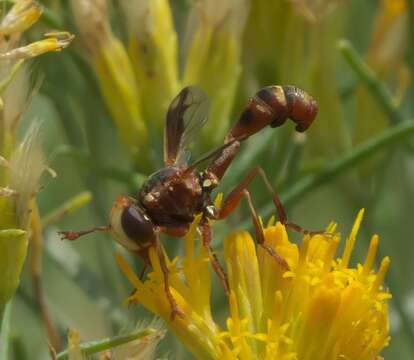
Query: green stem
x=71 y=205
x=5 y=320
x=94 y=347
x=375 y=86
x=5 y=82
x=339 y=166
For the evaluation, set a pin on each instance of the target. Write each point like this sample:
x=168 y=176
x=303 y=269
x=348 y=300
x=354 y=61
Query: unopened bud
x=55 y=41
x=21 y=16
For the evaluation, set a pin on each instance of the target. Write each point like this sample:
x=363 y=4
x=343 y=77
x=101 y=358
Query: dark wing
x=187 y=114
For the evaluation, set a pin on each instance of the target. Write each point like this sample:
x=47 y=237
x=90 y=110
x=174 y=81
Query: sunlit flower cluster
x=21 y=165
x=321 y=308
x=139 y=79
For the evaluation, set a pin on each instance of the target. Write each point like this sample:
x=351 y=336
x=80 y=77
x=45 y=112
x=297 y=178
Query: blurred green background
x=102 y=104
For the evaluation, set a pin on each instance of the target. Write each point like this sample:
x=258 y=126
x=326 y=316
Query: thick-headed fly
x=170 y=198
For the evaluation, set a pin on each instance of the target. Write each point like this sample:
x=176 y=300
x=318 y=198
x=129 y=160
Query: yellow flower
x=114 y=70
x=322 y=308
x=213 y=57
x=21 y=166
x=55 y=41
x=152 y=47
x=21 y=16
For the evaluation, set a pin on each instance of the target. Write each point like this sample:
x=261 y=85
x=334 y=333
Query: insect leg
x=141 y=276
x=74 y=235
x=259 y=232
x=279 y=206
x=143 y=269
x=158 y=247
x=234 y=198
x=231 y=202
x=206 y=236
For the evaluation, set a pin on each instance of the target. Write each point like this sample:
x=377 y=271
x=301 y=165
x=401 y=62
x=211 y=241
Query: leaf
x=93 y=347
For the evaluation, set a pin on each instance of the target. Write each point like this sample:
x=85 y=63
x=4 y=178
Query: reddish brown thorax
x=172 y=196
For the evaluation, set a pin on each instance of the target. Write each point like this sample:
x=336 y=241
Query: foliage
x=102 y=103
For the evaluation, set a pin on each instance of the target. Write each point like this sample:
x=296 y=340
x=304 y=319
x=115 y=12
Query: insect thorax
x=172 y=196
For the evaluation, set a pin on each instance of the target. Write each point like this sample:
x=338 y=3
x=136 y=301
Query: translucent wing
x=186 y=115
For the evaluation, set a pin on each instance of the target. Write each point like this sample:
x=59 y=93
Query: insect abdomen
x=273 y=105
x=302 y=108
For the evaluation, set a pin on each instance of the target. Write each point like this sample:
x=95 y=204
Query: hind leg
x=235 y=196
x=230 y=204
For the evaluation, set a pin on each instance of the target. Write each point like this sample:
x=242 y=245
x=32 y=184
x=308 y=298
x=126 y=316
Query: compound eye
x=136 y=225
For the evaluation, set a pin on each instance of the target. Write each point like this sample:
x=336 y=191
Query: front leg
x=206 y=236
x=74 y=235
x=160 y=253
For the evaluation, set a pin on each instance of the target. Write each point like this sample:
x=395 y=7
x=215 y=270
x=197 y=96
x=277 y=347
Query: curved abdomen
x=272 y=106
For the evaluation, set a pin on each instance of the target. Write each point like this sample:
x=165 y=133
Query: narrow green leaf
x=376 y=87
x=93 y=347
x=5 y=82
x=68 y=207
x=340 y=165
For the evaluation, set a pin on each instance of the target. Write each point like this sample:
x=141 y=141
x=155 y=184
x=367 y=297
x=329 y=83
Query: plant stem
x=5 y=319
x=376 y=87
x=5 y=82
x=94 y=347
x=68 y=207
x=340 y=165
x=36 y=266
